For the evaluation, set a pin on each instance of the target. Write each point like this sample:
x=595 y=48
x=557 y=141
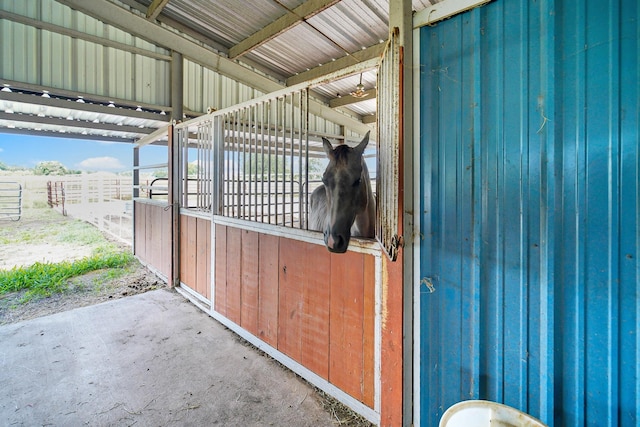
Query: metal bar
x=270 y=115
x=292 y=136
x=262 y=161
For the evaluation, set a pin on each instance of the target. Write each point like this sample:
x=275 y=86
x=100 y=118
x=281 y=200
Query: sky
x=76 y=154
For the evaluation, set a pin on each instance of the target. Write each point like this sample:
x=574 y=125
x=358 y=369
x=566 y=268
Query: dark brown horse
x=344 y=205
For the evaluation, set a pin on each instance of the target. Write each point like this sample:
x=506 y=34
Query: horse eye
x=358 y=182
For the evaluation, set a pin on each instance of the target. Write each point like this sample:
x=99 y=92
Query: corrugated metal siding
x=530 y=204
x=46 y=58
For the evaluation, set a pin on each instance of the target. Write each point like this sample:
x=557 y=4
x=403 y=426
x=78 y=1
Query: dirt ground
x=35 y=229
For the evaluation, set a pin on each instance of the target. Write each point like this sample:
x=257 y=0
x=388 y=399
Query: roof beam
x=66 y=135
x=56 y=121
x=280 y=25
x=350 y=99
x=80 y=106
x=89 y=97
x=364 y=55
x=371 y=118
x=80 y=35
x=115 y=15
x=155 y=8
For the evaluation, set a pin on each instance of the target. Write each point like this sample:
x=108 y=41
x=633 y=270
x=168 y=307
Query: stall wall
x=316 y=307
x=195 y=254
x=152 y=238
x=529 y=200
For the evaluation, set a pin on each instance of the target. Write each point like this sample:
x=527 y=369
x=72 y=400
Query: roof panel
x=225 y=21
x=297 y=50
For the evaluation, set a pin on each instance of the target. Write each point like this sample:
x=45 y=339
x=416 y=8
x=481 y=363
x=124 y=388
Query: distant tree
x=266 y=165
x=192 y=169
x=50 y=168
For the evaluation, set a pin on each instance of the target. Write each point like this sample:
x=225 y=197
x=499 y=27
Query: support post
x=401 y=17
x=174 y=173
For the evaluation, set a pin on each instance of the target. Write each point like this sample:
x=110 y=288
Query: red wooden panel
x=155 y=238
x=346 y=320
x=148 y=230
x=268 y=288
x=249 y=285
x=201 y=256
x=207 y=261
x=316 y=305
x=368 y=327
x=184 y=255
x=391 y=359
x=220 y=285
x=167 y=230
x=292 y=274
x=140 y=230
x=234 y=247
x=192 y=250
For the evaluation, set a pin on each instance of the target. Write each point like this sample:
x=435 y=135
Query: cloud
x=101 y=163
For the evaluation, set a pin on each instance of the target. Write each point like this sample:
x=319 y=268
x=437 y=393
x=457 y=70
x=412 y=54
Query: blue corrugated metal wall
x=530 y=204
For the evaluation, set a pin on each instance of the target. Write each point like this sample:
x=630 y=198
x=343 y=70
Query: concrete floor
x=151 y=360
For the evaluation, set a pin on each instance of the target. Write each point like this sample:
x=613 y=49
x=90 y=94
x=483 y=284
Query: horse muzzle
x=336 y=243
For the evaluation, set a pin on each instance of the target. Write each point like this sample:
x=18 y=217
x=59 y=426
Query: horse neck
x=364 y=224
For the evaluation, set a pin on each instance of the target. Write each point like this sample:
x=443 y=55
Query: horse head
x=350 y=207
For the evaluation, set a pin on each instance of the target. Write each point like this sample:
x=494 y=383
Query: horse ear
x=363 y=144
x=328 y=148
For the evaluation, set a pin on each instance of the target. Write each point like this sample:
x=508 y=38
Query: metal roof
x=120 y=51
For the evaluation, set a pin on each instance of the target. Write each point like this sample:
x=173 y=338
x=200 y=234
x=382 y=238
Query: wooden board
x=220 y=275
x=234 y=247
x=346 y=320
x=368 y=331
x=292 y=273
x=202 y=257
x=249 y=284
x=315 y=307
x=184 y=252
x=268 y=288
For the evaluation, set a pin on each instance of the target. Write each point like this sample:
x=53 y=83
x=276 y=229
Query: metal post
x=177 y=70
x=400 y=17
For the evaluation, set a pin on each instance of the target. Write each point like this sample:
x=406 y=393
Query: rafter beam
x=66 y=135
x=280 y=25
x=350 y=99
x=85 y=106
x=369 y=119
x=80 y=35
x=155 y=8
x=365 y=55
x=89 y=96
x=56 y=121
x=117 y=16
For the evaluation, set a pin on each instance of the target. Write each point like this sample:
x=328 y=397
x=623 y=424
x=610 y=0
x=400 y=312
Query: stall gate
x=269 y=279
x=529 y=201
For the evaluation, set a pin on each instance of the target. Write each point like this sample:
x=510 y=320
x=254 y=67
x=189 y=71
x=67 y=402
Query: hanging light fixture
x=359 y=92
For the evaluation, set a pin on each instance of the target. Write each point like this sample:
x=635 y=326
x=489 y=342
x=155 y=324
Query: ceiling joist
x=282 y=24
x=155 y=8
x=365 y=55
x=79 y=106
x=64 y=123
x=350 y=99
x=115 y=15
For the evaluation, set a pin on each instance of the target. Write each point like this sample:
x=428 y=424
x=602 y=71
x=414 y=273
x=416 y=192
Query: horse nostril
x=337 y=243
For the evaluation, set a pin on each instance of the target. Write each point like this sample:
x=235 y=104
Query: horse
x=343 y=206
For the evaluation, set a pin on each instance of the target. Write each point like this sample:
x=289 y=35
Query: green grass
x=46 y=279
